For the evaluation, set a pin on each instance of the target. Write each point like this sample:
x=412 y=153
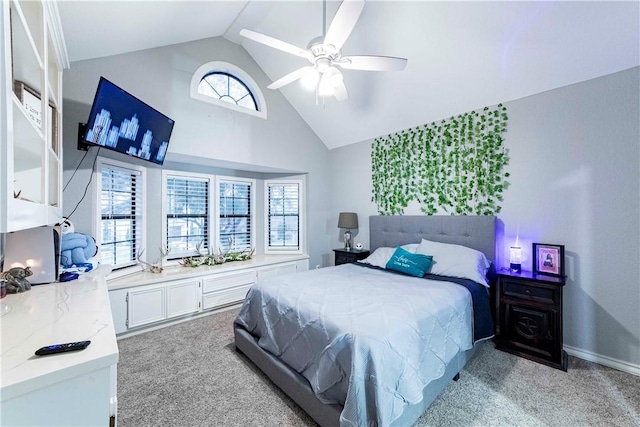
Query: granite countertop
x=53 y=314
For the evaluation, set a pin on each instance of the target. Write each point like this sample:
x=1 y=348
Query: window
x=121 y=212
x=225 y=85
x=186 y=214
x=284 y=216
x=227 y=88
x=235 y=214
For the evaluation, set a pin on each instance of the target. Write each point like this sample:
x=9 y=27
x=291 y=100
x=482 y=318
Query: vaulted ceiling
x=461 y=55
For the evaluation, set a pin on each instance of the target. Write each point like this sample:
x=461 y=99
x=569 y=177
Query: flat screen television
x=121 y=122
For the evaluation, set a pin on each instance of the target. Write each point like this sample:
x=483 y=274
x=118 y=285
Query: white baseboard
x=604 y=360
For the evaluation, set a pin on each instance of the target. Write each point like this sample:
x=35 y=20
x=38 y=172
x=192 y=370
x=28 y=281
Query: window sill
x=122 y=272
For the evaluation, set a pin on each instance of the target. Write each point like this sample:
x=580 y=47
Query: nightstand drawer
x=345 y=258
x=527 y=291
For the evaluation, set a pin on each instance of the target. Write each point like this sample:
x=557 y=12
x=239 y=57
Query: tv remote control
x=61 y=348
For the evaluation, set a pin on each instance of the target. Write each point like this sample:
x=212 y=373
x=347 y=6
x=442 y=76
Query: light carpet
x=190 y=375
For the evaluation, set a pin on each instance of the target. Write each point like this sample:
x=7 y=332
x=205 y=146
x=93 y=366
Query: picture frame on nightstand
x=548 y=259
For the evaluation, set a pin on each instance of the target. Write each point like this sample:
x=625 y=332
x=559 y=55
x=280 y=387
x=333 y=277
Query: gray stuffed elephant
x=16 y=279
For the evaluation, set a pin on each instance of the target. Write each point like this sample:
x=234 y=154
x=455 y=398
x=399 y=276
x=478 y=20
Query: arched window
x=228 y=86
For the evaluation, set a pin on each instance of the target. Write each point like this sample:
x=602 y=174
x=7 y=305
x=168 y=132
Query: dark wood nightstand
x=345 y=256
x=529 y=317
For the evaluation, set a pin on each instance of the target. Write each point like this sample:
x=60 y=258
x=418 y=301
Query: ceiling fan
x=324 y=54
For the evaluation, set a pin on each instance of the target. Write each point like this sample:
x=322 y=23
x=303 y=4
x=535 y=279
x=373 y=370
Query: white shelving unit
x=32 y=59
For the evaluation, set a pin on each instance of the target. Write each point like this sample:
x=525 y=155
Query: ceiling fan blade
x=343 y=23
x=340 y=92
x=372 y=63
x=289 y=78
x=275 y=43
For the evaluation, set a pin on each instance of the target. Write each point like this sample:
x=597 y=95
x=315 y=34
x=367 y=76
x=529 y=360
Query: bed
x=346 y=351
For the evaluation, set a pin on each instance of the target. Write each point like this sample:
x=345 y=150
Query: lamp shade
x=515 y=259
x=348 y=220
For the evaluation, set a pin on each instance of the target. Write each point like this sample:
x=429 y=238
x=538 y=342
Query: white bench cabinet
x=146 y=300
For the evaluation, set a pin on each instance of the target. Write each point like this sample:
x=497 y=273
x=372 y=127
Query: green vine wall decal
x=456 y=165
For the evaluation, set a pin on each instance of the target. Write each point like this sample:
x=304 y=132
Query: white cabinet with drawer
x=276 y=270
x=282 y=269
x=144 y=300
x=225 y=289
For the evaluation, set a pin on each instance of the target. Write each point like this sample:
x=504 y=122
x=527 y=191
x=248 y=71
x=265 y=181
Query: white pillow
x=411 y=247
x=382 y=255
x=379 y=257
x=456 y=260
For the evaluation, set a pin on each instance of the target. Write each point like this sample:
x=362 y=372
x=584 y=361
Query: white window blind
x=283 y=211
x=120 y=215
x=187 y=218
x=235 y=215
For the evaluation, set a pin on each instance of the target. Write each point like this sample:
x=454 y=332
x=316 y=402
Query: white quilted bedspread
x=368 y=339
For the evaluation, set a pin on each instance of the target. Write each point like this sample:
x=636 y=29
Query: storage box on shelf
x=144 y=300
x=32 y=57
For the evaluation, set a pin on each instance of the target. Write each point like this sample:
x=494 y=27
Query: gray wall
x=575 y=174
x=205 y=133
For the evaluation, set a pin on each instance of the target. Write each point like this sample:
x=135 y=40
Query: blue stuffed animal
x=75 y=248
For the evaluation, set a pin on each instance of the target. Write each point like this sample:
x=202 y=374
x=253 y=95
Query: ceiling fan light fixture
x=335 y=76
x=325 y=88
x=310 y=78
x=323 y=64
x=324 y=53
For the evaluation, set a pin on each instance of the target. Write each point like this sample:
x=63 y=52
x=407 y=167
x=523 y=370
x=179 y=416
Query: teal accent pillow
x=409 y=263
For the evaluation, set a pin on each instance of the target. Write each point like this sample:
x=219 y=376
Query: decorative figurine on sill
x=16 y=279
x=156 y=267
x=212 y=259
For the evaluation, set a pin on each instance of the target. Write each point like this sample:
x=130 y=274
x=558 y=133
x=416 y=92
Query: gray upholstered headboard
x=477 y=232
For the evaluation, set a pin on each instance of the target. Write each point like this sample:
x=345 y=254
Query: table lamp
x=515 y=259
x=348 y=221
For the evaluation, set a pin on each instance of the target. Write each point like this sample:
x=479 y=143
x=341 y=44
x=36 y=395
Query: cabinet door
x=183 y=298
x=118 y=300
x=532 y=330
x=146 y=305
x=31 y=115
